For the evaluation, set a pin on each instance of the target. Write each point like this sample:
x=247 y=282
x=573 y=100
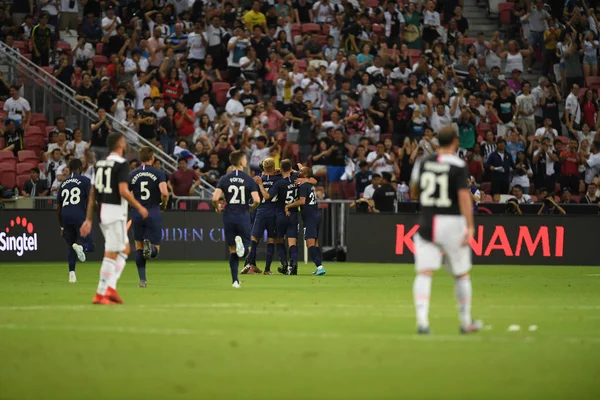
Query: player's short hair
x=146 y=154
x=268 y=164
x=446 y=136
x=286 y=165
x=307 y=172
x=235 y=158
x=113 y=140
x=75 y=165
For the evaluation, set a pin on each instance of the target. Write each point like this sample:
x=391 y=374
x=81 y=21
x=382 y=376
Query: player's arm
x=256 y=199
x=266 y=195
x=215 y=199
x=164 y=195
x=58 y=210
x=86 y=227
x=300 y=202
x=415 y=188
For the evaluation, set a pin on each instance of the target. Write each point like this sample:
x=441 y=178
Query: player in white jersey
x=111 y=190
x=439 y=182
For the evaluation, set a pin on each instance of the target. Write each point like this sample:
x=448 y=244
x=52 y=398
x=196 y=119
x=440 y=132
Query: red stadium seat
x=21 y=179
x=25 y=154
x=66 y=47
x=469 y=41
x=182 y=205
x=1 y=143
x=301 y=65
x=592 y=82
x=100 y=61
x=220 y=89
x=22 y=46
x=296 y=30
x=42 y=167
x=563 y=139
x=99 y=48
x=378 y=30
x=321 y=39
x=8 y=179
x=486 y=187
x=505 y=10
x=202 y=206
x=311 y=28
x=24 y=168
x=6 y=155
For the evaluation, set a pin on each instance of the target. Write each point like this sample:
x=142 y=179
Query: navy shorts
x=237 y=225
x=262 y=222
x=287 y=226
x=149 y=228
x=72 y=235
x=311 y=227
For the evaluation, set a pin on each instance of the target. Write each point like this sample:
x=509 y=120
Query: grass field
x=347 y=335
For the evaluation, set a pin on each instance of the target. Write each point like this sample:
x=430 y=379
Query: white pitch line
x=592 y=274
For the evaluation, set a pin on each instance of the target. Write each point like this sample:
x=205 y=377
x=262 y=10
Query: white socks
x=463 y=291
x=421 y=294
x=107 y=273
x=110 y=272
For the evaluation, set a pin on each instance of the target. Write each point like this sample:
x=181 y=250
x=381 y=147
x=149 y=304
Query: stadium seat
x=301 y=65
x=311 y=28
x=21 y=179
x=581 y=93
x=592 y=82
x=533 y=198
x=576 y=197
x=25 y=167
x=8 y=179
x=349 y=190
x=183 y=205
x=378 y=30
x=202 y=206
x=42 y=167
x=505 y=11
x=563 y=139
x=469 y=41
x=66 y=47
x=26 y=154
x=100 y=61
x=486 y=187
x=22 y=46
x=321 y=39
x=482 y=128
x=49 y=129
x=6 y=155
x=487 y=198
x=372 y=3
x=99 y=48
x=220 y=89
x=1 y=143
x=296 y=31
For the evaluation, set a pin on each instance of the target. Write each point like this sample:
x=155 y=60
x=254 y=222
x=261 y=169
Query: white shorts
x=448 y=234
x=115 y=236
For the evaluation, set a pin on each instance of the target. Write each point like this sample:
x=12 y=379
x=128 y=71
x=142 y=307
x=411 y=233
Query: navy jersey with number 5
x=144 y=182
x=237 y=187
x=72 y=196
x=283 y=192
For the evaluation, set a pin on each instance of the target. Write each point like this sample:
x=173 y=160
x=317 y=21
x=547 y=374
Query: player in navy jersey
x=285 y=191
x=149 y=187
x=238 y=188
x=264 y=218
x=440 y=183
x=311 y=217
x=71 y=204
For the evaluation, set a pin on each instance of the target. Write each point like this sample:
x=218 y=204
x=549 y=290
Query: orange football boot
x=113 y=296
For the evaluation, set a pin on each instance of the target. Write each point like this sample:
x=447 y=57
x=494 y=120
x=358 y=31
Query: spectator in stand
x=488 y=146
x=379 y=161
x=589 y=107
x=146 y=121
x=362 y=178
x=546 y=131
x=543 y=160
x=337 y=153
x=61 y=144
x=259 y=153
x=168 y=130
x=100 y=131
x=41 y=41
x=385 y=196
x=522 y=172
x=500 y=164
x=18 y=109
x=475 y=166
x=565 y=196
x=235 y=109
x=515 y=144
x=549 y=207
x=519 y=194
x=54 y=165
x=34 y=187
x=61 y=126
x=184 y=120
x=86 y=91
x=13 y=137
x=64 y=71
x=569 y=169
x=106 y=95
x=573 y=109
x=184 y=181
x=77 y=147
x=91 y=31
x=590 y=196
x=526 y=110
x=505 y=109
x=592 y=164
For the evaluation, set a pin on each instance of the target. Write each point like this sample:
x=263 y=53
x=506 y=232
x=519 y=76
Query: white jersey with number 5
x=109 y=174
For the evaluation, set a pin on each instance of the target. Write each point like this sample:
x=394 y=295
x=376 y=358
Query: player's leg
x=459 y=264
x=311 y=235
x=236 y=233
x=280 y=228
x=271 y=235
x=292 y=237
x=139 y=230
x=428 y=258
x=70 y=234
x=152 y=236
x=115 y=257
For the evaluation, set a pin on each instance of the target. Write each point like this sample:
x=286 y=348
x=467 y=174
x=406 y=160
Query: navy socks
x=315 y=255
x=234 y=262
x=270 y=253
x=140 y=262
x=294 y=255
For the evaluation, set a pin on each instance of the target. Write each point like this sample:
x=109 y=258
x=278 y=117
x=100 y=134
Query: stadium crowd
x=356 y=89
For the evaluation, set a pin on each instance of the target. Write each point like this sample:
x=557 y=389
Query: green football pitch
x=347 y=335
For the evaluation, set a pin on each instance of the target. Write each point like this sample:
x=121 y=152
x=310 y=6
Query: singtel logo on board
x=19 y=236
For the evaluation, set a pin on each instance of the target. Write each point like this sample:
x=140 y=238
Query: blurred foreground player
x=237 y=187
x=111 y=188
x=149 y=187
x=71 y=204
x=439 y=182
x=311 y=217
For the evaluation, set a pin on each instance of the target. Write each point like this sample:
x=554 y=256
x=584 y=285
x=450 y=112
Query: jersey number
x=238 y=194
x=290 y=196
x=311 y=199
x=429 y=183
x=102 y=181
x=72 y=197
x=144 y=190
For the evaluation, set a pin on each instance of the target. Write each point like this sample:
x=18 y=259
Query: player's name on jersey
x=71 y=180
x=434 y=166
x=236 y=180
x=143 y=174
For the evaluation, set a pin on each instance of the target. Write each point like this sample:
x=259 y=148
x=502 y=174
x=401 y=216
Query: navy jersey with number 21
x=237 y=188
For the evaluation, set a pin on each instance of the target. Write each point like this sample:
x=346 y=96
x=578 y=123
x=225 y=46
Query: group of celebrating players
x=439 y=182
